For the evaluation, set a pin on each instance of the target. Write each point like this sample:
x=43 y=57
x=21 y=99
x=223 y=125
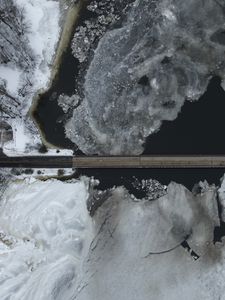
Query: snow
x=12 y=77
x=19 y=137
x=52 y=172
x=121 y=262
x=43 y=17
x=10 y=149
x=40 y=173
x=44 y=231
x=51 y=249
x=23 y=139
x=221 y=194
x=44 y=30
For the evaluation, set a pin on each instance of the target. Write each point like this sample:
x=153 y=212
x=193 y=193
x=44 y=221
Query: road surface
x=151 y=161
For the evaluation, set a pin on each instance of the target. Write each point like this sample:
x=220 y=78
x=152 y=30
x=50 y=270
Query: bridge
x=150 y=161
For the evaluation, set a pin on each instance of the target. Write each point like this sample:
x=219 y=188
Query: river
x=198 y=129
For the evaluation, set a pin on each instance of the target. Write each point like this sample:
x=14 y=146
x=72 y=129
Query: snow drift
x=51 y=248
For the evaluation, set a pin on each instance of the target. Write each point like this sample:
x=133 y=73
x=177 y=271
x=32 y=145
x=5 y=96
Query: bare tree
x=14 y=45
x=8 y=103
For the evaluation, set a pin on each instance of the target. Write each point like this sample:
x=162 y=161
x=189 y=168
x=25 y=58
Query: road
x=151 y=161
x=36 y=162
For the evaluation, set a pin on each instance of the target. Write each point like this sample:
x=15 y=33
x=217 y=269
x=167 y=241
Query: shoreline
x=69 y=26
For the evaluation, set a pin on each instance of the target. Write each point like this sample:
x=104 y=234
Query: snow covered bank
x=42 y=173
x=26 y=141
x=45 y=231
x=50 y=247
x=41 y=20
x=12 y=77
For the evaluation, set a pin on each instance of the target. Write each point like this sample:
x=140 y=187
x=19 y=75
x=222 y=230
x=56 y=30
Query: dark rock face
x=143 y=70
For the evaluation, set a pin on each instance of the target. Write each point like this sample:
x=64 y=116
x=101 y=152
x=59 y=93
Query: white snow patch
x=45 y=231
x=12 y=77
x=221 y=193
x=123 y=262
x=51 y=249
x=43 y=16
x=169 y=15
x=154 y=84
x=23 y=139
x=43 y=19
x=44 y=173
x=20 y=139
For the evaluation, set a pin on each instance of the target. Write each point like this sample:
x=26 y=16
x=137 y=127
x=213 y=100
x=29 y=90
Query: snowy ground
x=51 y=249
x=42 y=16
x=41 y=173
x=44 y=233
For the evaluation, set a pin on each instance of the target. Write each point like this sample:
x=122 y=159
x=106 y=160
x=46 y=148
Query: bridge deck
x=151 y=161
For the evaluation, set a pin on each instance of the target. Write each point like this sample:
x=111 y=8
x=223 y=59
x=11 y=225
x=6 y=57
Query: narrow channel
x=47 y=114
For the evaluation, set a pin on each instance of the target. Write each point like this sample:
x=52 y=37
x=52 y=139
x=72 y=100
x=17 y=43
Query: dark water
x=199 y=128
x=126 y=177
x=48 y=114
x=117 y=177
